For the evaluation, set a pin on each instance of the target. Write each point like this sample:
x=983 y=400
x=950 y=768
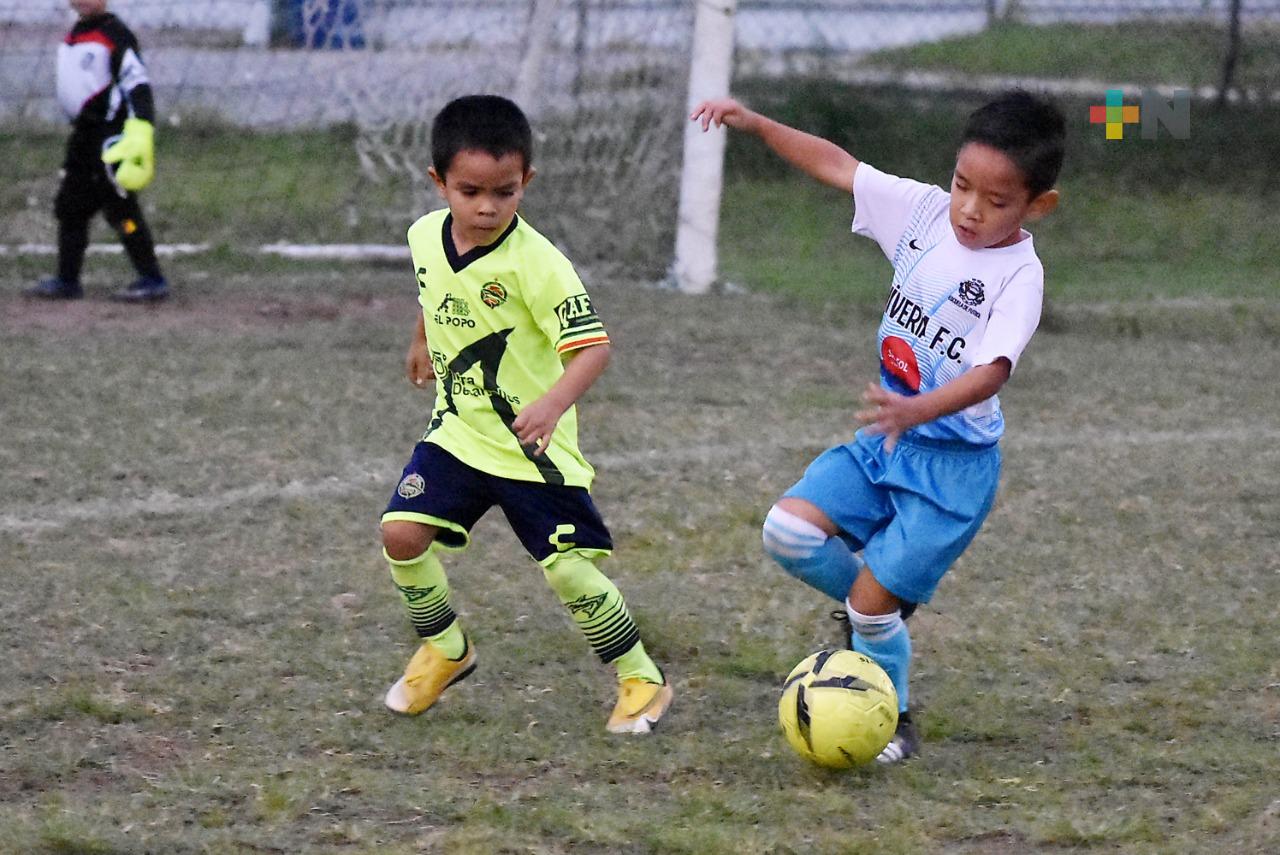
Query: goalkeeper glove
x=135 y=154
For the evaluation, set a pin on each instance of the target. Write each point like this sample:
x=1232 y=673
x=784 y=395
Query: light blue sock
x=806 y=552
x=885 y=639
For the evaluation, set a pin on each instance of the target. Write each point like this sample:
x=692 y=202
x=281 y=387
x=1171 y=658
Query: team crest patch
x=412 y=486
x=493 y=294
x=972 y=292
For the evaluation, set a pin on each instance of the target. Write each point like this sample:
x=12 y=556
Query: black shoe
x=148 y=289
x=53 y=288
x=905 y=742
x=841 y=617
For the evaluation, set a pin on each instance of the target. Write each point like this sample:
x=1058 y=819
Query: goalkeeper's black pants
x=86 y=189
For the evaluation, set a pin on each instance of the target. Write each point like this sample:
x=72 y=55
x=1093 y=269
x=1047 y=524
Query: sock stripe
x=619 y=647
x=434 y=622
x=615 y=625
x=791 y=549
x=790 y=536
x=607 y=624
x=875 y=627
x=432 y=617
x=793 y=538
x=431 y=613
x=613 y=634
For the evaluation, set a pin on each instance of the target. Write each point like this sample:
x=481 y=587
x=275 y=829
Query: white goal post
x=701 y=175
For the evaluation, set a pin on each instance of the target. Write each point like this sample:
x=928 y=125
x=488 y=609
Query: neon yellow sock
x=424 y=588
x=636 y=664
x=600 y=612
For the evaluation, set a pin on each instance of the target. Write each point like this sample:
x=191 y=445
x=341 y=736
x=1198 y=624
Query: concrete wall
x=202 y=14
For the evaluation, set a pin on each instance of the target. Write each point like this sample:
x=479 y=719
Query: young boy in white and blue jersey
x=105 y=91
x=914 y=485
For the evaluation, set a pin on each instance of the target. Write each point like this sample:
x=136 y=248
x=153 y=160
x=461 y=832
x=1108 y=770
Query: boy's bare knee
x=406 y=540
x=809 y=512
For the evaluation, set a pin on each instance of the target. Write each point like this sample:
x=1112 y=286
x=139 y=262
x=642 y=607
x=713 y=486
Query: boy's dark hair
x=1031 y=131
x=488 y=123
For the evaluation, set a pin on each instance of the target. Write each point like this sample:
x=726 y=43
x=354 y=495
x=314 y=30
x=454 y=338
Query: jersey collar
x=457 y=262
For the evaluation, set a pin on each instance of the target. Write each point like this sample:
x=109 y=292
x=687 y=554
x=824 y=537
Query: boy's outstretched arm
x=821 y=159
x=892 y=414
x=536 y=422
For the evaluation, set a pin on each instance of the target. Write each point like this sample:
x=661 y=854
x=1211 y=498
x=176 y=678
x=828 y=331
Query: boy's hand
x=889 y=414
x=417 y=364
x=723 y=111
x=536 y=422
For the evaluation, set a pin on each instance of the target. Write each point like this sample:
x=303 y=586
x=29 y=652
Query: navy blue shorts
x=440 y=490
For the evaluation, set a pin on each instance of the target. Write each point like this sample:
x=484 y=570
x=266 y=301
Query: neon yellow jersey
x=499 y=318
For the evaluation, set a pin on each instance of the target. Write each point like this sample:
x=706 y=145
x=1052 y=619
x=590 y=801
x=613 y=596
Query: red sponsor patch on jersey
x=899 y=359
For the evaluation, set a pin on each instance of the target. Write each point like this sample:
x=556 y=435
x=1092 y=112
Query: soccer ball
x=838 y=709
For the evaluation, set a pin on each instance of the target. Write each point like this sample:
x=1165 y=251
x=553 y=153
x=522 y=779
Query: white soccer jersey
x=950 y=308
x=98 y=66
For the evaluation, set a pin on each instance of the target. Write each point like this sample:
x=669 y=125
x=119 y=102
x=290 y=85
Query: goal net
x=603 y=82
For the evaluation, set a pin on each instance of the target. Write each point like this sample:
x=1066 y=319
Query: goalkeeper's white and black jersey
x=101 y=78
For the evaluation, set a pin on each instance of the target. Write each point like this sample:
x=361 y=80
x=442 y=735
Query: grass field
x=198 y=625
x=1184 y=53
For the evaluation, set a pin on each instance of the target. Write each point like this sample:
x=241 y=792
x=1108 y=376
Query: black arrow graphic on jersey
x=487 y=352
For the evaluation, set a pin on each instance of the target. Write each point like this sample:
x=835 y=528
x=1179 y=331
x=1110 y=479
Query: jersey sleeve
x=884 y=204
x=561 y=307
x=129 y=71
x=415 y=237
x=1013 y=319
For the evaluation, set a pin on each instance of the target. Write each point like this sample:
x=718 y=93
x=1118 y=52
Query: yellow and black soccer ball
x=838 y=709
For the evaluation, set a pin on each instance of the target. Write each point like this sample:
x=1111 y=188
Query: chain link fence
x=295 y=63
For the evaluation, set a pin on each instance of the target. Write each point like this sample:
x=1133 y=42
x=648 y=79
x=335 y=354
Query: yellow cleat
x=640 y=705
x=426 y=677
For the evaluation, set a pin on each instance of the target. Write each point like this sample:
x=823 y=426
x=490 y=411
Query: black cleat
x=148 y=289
x=905 y=743
x=841 y=617
x=54 y=288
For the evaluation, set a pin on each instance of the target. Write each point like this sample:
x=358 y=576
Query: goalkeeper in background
x=103 y=87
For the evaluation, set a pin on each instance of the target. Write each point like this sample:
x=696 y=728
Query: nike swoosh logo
x=912 y=244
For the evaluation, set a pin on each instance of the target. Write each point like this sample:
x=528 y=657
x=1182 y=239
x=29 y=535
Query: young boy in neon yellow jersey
x=508 y=333
x=913 y=487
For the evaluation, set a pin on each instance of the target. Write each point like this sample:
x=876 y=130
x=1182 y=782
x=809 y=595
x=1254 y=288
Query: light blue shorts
x=912 y=511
